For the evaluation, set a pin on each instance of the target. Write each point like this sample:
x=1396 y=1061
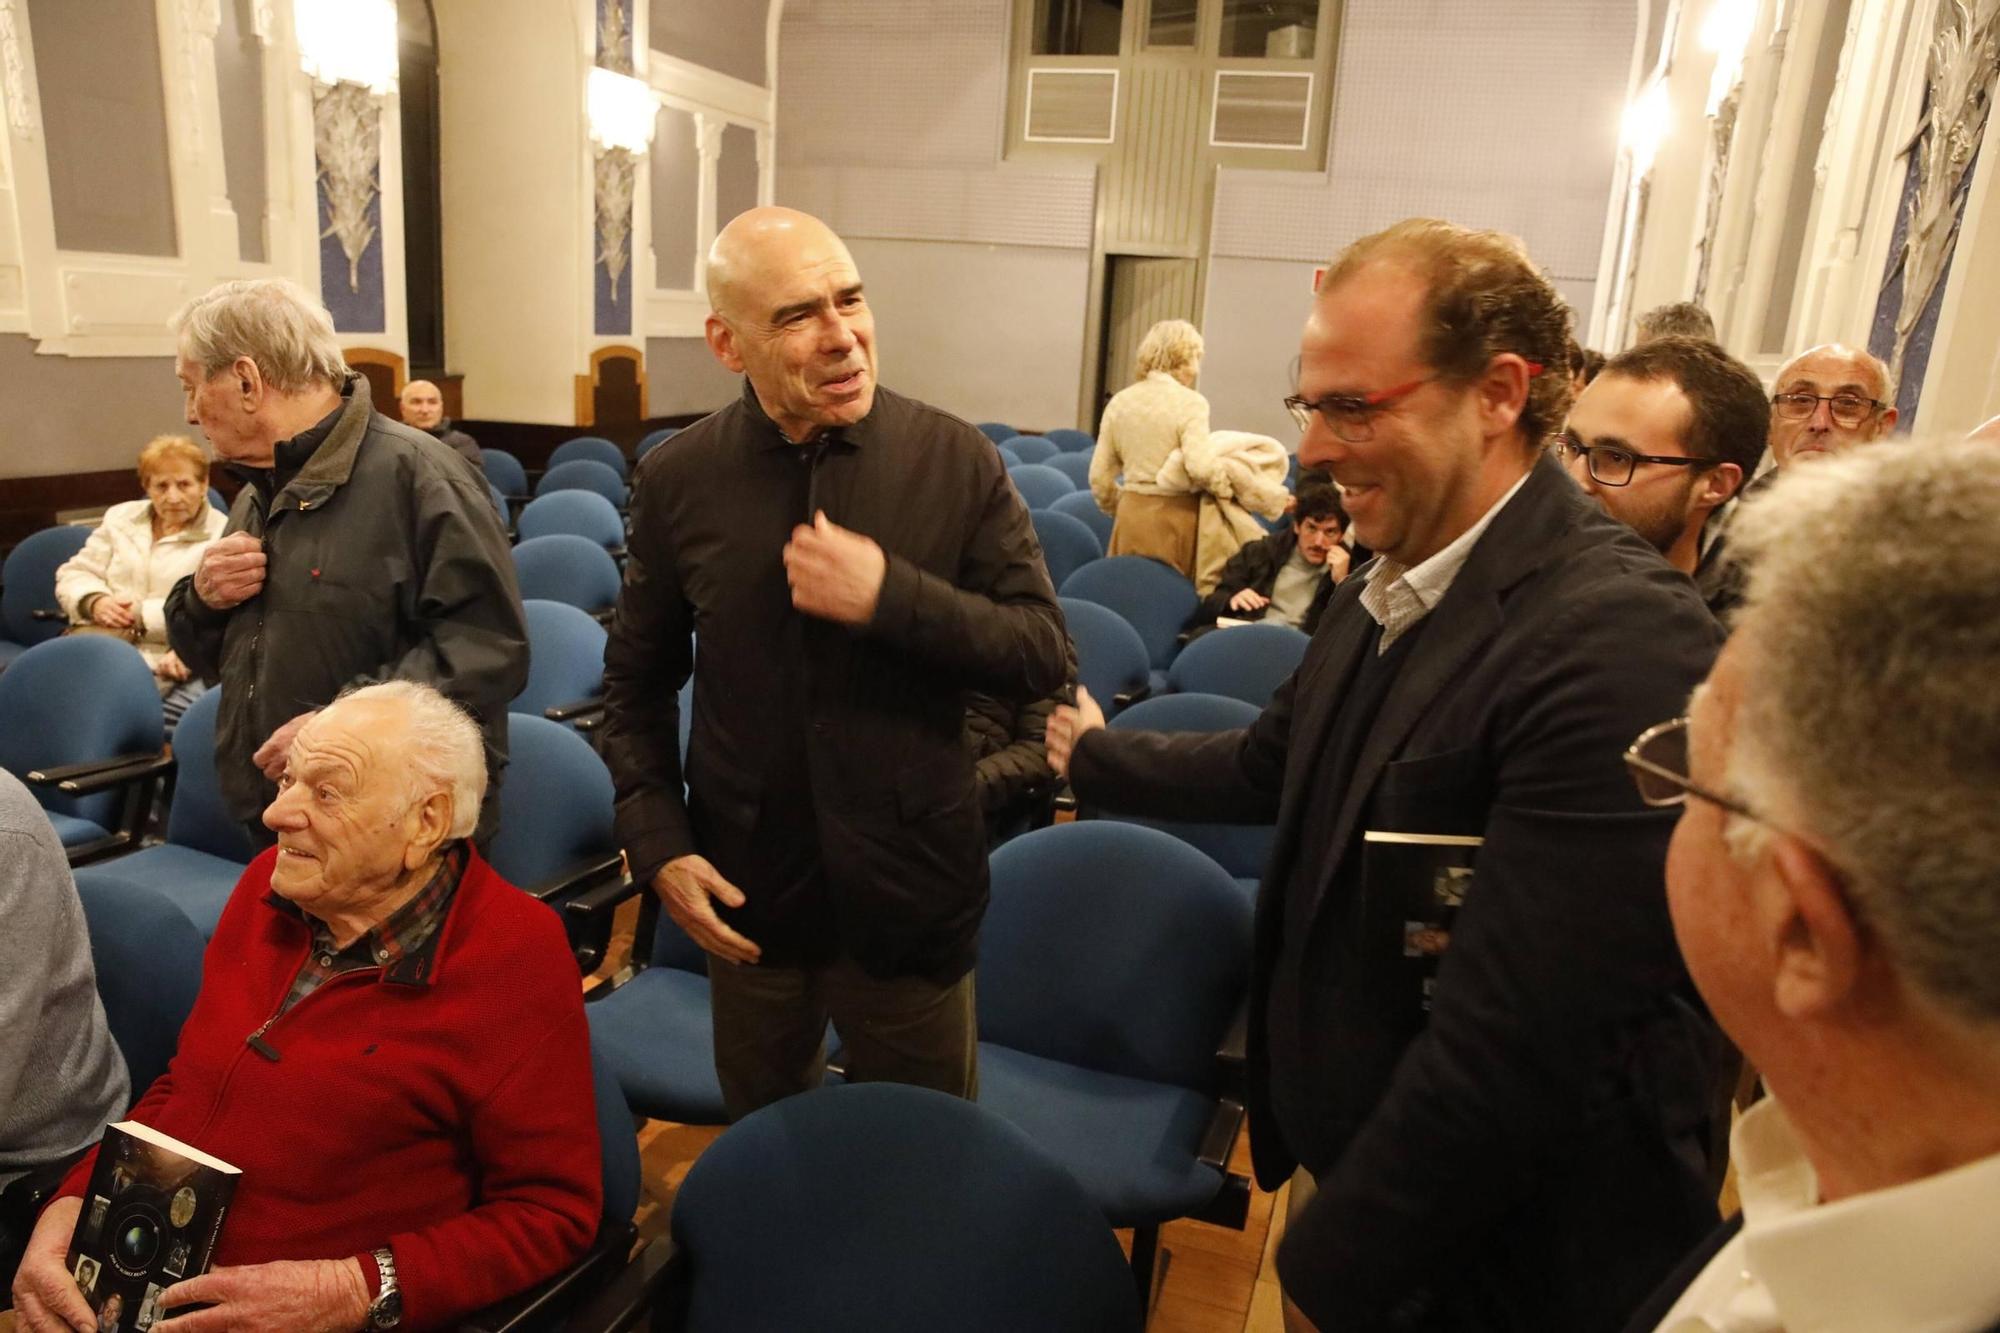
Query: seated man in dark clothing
x=1286 y=578
x=423 y=407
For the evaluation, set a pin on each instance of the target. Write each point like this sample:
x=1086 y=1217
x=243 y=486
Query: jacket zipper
x=255 y=1041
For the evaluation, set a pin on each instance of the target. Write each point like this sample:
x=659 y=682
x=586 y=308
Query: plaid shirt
x=407 y=931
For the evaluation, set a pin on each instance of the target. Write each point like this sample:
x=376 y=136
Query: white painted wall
x=990 y=332
x=516 y=204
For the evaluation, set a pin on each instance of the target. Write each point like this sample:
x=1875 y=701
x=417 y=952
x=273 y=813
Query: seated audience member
x=1286 y=578
x=1145 y=424
x=423 y=407
x=389 y=1042
x=61 y=1076
x=119 y=581
x=1664 y=437
x=1828 y=400
x=1010 y=763
x=1678 y=319
x=1834 y=884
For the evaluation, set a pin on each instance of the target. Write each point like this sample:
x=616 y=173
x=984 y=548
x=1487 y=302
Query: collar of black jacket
x=311 y=464
x=1536 y=526
x=768 y=436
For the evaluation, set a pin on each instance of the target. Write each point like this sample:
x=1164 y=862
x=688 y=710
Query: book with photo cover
x=1421 y=879
x=150 y=1217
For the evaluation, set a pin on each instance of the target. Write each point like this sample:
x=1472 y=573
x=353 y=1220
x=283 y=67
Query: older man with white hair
x=389 y=1042
x=1835 y=887
x=359 y=549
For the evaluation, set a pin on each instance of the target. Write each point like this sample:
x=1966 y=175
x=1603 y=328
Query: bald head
x=423 y=405
x=787 y=313
x=1830 y=371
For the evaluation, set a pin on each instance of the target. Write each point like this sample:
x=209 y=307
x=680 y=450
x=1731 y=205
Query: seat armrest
x=544 y=1307
x=588 y=916
x=575 y=709
x=1127 y=698
x=647 y=1293
x=48 y=614
x=1065 y=800
x=99 y=775
x=1232 y=1057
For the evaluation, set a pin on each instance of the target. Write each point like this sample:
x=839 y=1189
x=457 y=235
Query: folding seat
x=1247 y=662
x=1155 y=598
x=29 y=612
x=1070 y=440
x=1040 y=486
x=997 y=431
x=505 y=471
x=1111 y=659
x=1081 y=505
x=578 y=513
x=1067 y=545
x=555 y=837
x=1241 y=849
x=594 y=447
x=565 y=665
x=147 y=956
x=1074 y=466
x=653 y=440
x=565 y=568
x=584 y=474
x=1032 y=448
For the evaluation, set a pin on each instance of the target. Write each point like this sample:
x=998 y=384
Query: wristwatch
x=386 y=1311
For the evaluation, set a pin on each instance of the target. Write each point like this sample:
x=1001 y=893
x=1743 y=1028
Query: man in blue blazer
x=1496 y=1084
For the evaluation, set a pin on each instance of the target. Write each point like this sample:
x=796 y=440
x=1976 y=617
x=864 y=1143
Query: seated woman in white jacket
x=119 y=581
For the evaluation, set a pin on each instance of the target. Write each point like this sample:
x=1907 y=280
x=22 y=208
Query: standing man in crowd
x=423 y=407
x=1838 y=900
x=1664 y=437
x=1496 y=1085
x=358 y=551
x=852 y=562
x=1828 y=400
x=1677 y=319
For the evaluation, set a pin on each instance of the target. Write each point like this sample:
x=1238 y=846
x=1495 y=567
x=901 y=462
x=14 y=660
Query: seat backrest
x=1067 y=545
x=1032 y=448
x=594 y=447
x=499 y=500
x=567 y=568
x=1074 y=466
x=880 y=1206
x=1110 y=659
x=1113 y=947
x=29 y=579
x=653 y=439
x=215 y=500
x=555 y=803
x=1039 y=484
x=618 y=1141
x=1155 y=599
x=997 y=431
x=1247 y=662
x=1008 y=458
x=579 y=513
x=198 y=819
x=584 y=474
x=1241 y=849
x=1070 y=440
x=565 y=657
x=1081 y=505
x=148 y=960
x=505 y=471
x=90 y=696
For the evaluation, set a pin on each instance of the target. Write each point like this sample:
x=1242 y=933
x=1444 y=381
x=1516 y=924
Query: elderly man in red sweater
x=389 y=1042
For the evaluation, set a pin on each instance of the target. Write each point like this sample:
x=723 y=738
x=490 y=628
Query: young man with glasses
x=1512 y=1133
x=1665 y=436
x=1834 y=883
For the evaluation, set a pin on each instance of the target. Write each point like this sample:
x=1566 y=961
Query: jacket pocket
x=1437 y=793
x=721 y=788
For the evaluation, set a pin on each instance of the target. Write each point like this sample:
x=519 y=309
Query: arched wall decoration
x=1964 y=59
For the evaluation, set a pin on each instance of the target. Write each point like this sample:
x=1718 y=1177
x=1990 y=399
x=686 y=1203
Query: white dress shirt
x=1916 y=1258
x=1398 y=596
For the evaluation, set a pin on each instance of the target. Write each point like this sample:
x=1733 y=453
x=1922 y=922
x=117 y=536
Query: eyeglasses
x=1348 y=416
x=1612 y=466
x=1847 y=409
x=1658 y=761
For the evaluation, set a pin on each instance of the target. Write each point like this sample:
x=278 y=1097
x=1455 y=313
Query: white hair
x=1869 y=719
x=274 y=322
x=1172 y=345
x=443 y=749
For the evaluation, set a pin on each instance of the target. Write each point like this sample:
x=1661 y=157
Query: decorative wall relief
x=347 y=143
x=622 y=111
x=14 y=71
x=1964 y=59
x=200 y=20
x=1722 y=138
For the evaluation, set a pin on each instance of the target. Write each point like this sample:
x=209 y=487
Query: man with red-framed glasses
x=1470 y=1031
x=1834 y=883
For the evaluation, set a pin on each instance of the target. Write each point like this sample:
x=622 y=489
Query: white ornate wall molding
x=1963 y=61
x=200 y=20
x=14 y=71
x=616 y=176
x=261 y=20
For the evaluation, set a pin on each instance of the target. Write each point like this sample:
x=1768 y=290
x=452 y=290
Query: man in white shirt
x=1835 y=887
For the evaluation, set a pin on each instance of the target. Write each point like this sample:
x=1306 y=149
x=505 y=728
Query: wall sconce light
x=622 y=114
x=349 y=49
x=1645 y=127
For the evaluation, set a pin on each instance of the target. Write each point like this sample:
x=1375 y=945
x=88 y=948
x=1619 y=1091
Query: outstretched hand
x=1067 y=726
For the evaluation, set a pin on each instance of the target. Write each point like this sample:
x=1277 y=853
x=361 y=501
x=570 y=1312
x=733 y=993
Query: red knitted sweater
x=450 y=1118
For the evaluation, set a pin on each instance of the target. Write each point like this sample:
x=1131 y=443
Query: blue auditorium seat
x=1111 y=659
x=29 y=612
x=1081 y=505
x=1067 y=545
x=1155 y=598
x=505 y=471
x=997 y=431
x=148 y=957
x=1074 y=466
x=584 y=474
x=1032 y=448
x=1070 y=440
x=206 y=849
x=1247 y=662
x=654 y=1027
x=594 y=447
x=654 y=439
x=1112 y=961
x=878 y=1207
x=579 y=513
x=566 y=568
x=565 y=662
x=1039 y=485
x=1241 y=849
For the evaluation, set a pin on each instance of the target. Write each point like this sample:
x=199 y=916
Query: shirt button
x=326 y=960
x=381 y=955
